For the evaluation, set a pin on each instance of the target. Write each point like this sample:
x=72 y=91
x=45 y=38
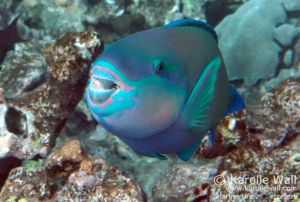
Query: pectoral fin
x=198 y=106
x=186 y=154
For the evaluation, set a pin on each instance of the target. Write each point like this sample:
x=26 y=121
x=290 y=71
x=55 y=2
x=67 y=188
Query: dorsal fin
x=193 y=23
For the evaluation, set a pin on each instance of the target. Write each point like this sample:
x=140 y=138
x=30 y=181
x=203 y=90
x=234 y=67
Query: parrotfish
x=161 y=90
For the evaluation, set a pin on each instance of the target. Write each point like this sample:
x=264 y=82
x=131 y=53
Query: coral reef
x=274 y=35
x=266 y=127
x=146 y=171
x=262 y=142
x=172 y=9
x=273 y=166
x=268 y=148
x=249 y=135
x=40 y=18
x=27 y=184
x=262 y=19
x=41 y=99
x=31 y=122
x=28 y=71
x=113 y=19
x=291 y=5
x=216 y=10
x=185 y=182
x=70 y=174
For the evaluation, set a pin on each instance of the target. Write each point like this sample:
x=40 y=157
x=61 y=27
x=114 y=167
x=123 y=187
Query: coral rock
x=80 y=179
x=265 y=128
x=25 y=183
x=278 y=115
x=185 y=183
x=96 y=180
x=291 y=5
x=285 y=34
x=41 y=18
x=248 y=163
x=32 y=121
x=23 y=70
x=250 y=30
x=268 y=146
x=61 y=163
x=231 y=131
x=216 y=10
x=288 y=57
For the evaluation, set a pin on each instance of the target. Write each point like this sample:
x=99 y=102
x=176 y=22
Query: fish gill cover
x=52 y=149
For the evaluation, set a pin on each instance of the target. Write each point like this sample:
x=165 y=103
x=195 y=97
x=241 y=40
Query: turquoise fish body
x=162 y=89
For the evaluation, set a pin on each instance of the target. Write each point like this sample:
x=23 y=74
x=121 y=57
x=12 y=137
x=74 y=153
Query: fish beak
x=103 y=84
x=101 y=89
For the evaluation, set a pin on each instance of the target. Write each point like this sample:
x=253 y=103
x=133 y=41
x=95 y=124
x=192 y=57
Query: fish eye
x=159 y=67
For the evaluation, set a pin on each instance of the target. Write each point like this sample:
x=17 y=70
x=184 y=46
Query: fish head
x=134 y=93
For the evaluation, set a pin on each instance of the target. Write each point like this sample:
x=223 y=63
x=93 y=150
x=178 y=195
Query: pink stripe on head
x=120 y=81
x=105 y=104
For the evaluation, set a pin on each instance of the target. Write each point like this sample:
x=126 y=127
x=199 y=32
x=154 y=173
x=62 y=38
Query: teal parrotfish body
x=162 y=89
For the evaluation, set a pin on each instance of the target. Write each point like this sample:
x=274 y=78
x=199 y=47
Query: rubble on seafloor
x=69 y=174
x=257 y=142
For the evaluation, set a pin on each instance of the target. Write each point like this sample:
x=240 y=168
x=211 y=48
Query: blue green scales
x=162 y=89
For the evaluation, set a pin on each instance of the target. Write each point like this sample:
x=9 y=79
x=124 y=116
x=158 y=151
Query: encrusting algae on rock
x=32 y=121
x=70 y=174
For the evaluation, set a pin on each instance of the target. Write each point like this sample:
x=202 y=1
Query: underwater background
x=51 y=148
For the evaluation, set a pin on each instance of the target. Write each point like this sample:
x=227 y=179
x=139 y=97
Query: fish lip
x=102 y=91
x=107 y=73
x=103 y=73
x=100 y=97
